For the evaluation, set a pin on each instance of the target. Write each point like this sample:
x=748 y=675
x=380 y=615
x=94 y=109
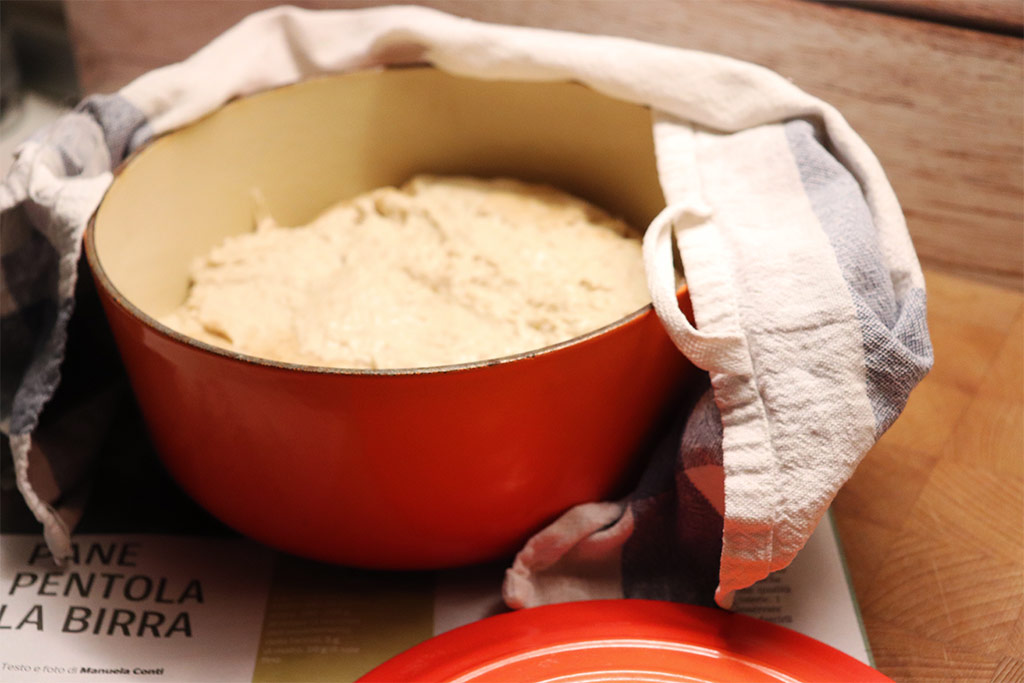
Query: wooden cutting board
x=933 y=520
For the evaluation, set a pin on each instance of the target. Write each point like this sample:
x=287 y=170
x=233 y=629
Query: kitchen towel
x=808 y=298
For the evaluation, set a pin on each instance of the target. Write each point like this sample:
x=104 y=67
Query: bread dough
x=443 y=270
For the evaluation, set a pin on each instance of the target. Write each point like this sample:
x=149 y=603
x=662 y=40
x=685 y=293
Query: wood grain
x=943 y=107
x=933 y=519
x=1005 y=16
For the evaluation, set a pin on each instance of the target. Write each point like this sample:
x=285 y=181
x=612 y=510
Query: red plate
x=622 y=640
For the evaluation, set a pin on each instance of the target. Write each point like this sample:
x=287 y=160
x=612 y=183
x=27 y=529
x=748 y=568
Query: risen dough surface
x=444 y=270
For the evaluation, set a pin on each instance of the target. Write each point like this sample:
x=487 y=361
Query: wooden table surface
x=933 y=520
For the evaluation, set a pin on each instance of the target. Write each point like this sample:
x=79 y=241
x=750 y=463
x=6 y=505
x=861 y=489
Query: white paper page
x=133 y=607
x=59 y=641
x=812 y=596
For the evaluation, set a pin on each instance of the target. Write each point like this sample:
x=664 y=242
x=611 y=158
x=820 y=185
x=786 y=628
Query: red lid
x=622 y=640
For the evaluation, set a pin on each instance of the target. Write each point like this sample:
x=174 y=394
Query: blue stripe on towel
x=897 y=349
x=124 y=126
x=35 y=328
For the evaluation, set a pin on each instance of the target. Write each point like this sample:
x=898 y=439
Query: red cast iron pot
x=404 y=469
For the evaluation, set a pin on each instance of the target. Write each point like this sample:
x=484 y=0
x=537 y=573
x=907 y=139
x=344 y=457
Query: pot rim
x=119 y=299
